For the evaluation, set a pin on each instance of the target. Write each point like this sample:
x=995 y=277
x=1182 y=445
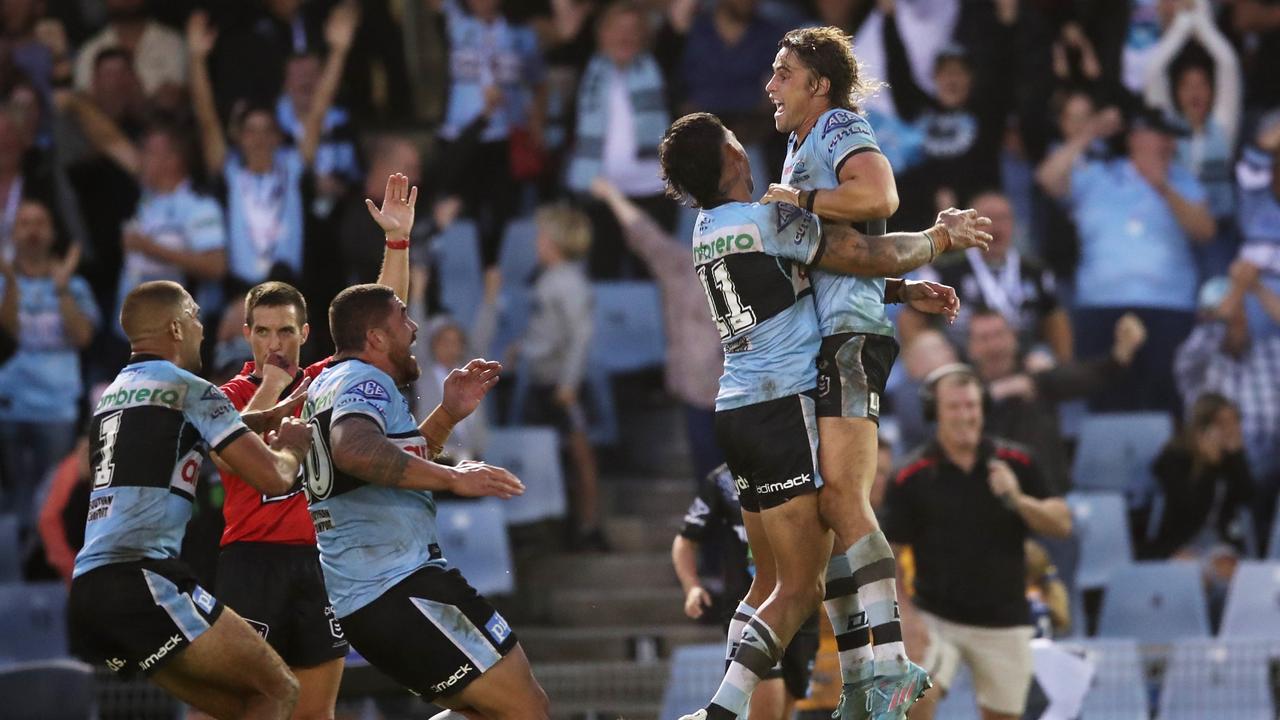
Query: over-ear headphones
x=929 y=388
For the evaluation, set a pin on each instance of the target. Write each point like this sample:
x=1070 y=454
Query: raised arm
x=339 y=31
x=848 y=252
x=1157 y=90
x=395 y=217
x=76 y=322
x=200 y=39
x=101 y=131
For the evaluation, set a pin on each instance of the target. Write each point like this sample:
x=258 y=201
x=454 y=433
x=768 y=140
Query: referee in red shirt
x=269 y=569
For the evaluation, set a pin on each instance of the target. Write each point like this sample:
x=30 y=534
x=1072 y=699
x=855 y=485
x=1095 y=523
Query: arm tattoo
x=849 y=252
x=361 y=449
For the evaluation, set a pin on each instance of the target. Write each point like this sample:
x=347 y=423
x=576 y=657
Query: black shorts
x=279 y=590
x=135 y=616
x=431 y=632
x=852 y=371
x=771 y=449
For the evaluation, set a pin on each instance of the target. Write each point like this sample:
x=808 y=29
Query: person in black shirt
x=966 y=503
x=715 y=517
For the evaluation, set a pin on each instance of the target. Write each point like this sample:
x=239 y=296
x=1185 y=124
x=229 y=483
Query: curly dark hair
x=691 y=154
x=828 y=52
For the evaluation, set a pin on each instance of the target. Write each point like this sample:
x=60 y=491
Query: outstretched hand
x=476 y=479
x=395 y=217
x=964 y=228
x=465 y=387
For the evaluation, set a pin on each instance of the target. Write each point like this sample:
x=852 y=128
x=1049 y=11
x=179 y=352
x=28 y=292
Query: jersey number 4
x=108 y=431
x=731 y=316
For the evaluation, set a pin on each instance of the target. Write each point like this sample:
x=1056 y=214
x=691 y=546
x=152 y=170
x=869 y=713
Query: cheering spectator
x=1205 y=94
x=335 y=164
x=1137 y=217
x=1220 y=356
x=263 y=179
x=53 y=317
x=157 y=52
x=1258 y=178
x=622 y=116
x=1001 y=279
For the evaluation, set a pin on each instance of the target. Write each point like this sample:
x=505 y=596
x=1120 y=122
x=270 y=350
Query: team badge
x=787 y=214
x=372 y=390
x=837 y=120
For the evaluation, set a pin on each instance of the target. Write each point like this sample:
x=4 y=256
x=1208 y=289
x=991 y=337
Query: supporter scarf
x=644 y=81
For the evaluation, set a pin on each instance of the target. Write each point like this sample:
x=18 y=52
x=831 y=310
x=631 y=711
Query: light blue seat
x=473 y=536
x=1222 y=680
x=1253 y=603
x=457 y=252
x=47 y=690
x=1116 y=450
x=517 y=263
x=533 y=455
x=10 y=560
x=1101 y=526
x=33 y=621
x=1155 y=602
x=696 y=671
x=1118 y=689
x=628 y=327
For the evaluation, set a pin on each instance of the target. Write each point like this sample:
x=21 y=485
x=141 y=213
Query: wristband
x=398 y=244
x=808 y=202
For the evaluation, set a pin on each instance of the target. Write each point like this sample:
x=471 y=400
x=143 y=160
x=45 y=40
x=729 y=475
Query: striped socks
x=741 y=616
x=875 y=576
x=758 y=651
x=848 y=621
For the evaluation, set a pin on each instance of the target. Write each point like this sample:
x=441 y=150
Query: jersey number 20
x=319 y=467
x=731 y=316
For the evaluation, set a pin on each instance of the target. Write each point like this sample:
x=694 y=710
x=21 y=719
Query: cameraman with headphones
x=965 y=503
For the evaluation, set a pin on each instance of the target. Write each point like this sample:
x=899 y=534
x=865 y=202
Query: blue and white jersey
x=41 y=382
x=148 y=438
x=845 y=303
x=750 y=259
x=370 y=536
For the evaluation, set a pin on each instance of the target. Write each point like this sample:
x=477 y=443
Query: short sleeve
x=205 y=229
x=365 y=396
x=789 y=232
x=845 y=133
x=895 y=515
x=1187 y=185
x=212 y=414
x=83 y=296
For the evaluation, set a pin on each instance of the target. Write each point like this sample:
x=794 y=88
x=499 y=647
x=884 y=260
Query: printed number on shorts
x=108 y=431
x=319 y=466
x=731 y=316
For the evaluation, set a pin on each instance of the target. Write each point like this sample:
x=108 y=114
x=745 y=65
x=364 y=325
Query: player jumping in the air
x=133 y=604
x=268 y=570
x=834 y=168
x=751 y=259
x=370 y=478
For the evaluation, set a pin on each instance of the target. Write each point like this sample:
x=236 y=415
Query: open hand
x=395 y=217
x=465 y=387
x=476 y=479
x=931 y=298
x=200 y=35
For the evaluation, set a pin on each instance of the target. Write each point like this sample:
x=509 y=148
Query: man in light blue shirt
x=1137 y=217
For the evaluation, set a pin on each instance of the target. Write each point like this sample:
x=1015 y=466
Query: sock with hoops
x=848 y=621
x=741 y=616
x=758 y=651
x=875 y=575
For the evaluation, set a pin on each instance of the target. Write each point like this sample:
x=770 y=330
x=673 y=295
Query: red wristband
x=398 y=244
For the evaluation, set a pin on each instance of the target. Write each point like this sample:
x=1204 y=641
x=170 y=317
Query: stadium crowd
x=1128 y=154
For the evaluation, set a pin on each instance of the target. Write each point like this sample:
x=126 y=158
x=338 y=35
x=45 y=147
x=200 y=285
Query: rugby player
x=370 y=479
x=134 y=605
x=834 y=169
x=268 y=570
x=752 y=259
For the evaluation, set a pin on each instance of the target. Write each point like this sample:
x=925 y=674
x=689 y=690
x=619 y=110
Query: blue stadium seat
x=473 y=536
x=1222 y=680
x=517 y=263
x=1118 y=690
x=47 y=690
x=1155 y=602
x=1101 y=526
x=1116 y=450
x=10 y=560
x=695 y=674
x=628 y=327
x=533 y=454
x=33 y=621
x=457 y=250
x=1253 y=602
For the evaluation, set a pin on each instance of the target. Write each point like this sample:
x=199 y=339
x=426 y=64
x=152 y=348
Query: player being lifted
x=370 y=478
x=133 y=604
x=268 y=570
x=834 y=169
x=751 y=259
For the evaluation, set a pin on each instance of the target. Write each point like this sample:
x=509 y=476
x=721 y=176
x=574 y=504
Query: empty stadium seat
x=473 y=535
x=1101 y=526
x=33 y=621
x=517 y=263
x=533 y=455
x=1118 y=689
x=457 y=250
x=1116 y=450
x=47 y=690
x=10 y=560
x=1253 y=602
x=1222 y=680
x=628 y=327
x=695 y=675
x=1155 y=602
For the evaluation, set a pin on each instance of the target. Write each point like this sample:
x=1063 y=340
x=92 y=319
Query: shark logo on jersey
x=213 y=393
x=787 y=214
x=799 y=173
x=837 y=120
x=372 y=390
